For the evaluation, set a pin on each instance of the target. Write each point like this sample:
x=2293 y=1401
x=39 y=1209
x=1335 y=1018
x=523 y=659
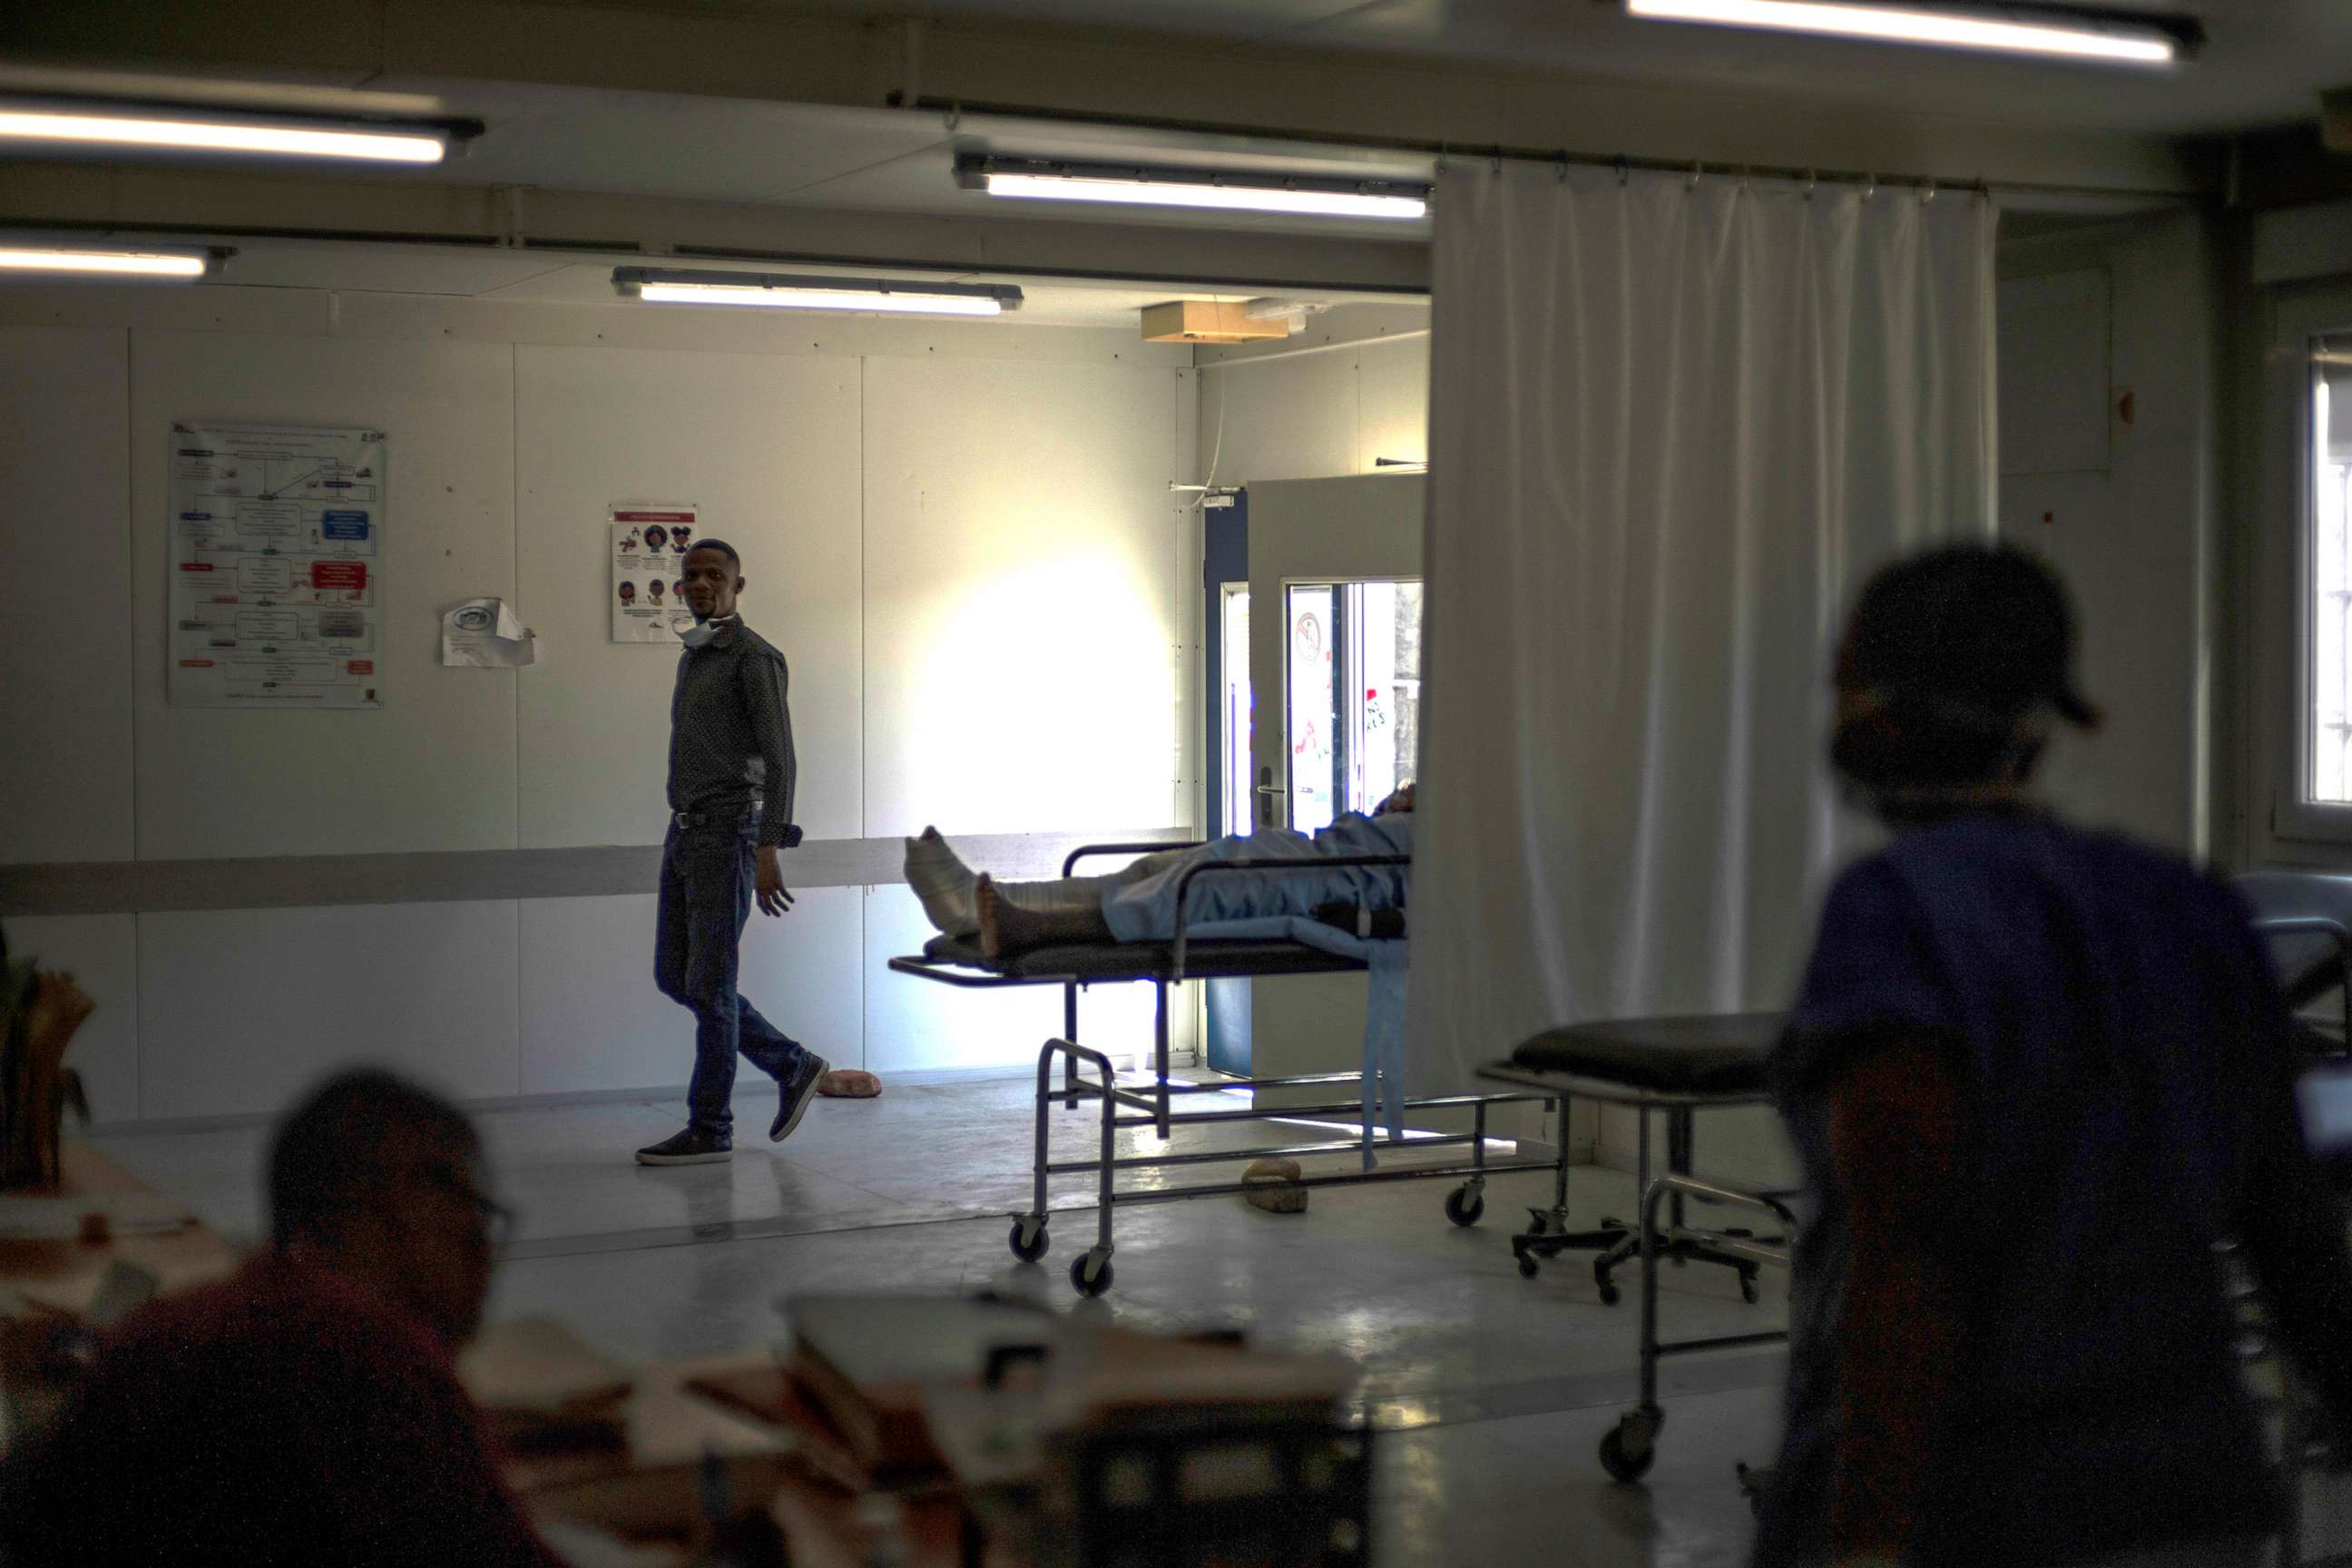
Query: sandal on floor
x=848 y=1083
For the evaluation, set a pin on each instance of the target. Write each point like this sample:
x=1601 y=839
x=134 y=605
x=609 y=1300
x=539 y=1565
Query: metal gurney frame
x=1629 y=1447
x=1153 y=1106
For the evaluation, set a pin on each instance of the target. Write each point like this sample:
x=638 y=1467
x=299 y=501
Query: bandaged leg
x=1007 y=928
x=944 y=883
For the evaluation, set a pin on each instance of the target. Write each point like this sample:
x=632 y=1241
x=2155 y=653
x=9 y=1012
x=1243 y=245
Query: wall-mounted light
x=2055 y=30
x=89 y=126
x=792 y=291
x=92 y=262
x=1053 y=180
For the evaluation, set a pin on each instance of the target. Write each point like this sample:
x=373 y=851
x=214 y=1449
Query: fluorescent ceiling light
x=789 y=292
x=2065 y=32
x=16 y=259
x=88 y=126
x=1034 y=179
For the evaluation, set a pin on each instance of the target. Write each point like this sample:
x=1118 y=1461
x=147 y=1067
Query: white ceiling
x=532 y=278
x=2266 y=61
x=873 y=159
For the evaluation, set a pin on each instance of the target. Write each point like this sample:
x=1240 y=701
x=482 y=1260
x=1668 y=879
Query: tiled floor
x=1491 y=1392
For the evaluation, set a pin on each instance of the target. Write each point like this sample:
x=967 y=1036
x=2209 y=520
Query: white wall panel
x=768 y=447
x=435 y=768
x=1281 y=419
x=592 y=1020
x=241 y=1010
x=1392 y=381
x=101 y=952
x=915 y=1024
x=65 y=595
x=2054 y=342
x=1021 y=631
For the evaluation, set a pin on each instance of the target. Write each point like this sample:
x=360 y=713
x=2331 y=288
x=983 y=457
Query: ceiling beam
x=156 y=202
x=1261 y=90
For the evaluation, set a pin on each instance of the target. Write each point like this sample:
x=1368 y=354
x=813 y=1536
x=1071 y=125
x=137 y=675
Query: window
x=1353 y=670
x=2328 y=575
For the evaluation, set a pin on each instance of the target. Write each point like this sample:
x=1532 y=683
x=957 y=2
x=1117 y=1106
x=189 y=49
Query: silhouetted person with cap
x=2037 y=1077
x=307 y=1411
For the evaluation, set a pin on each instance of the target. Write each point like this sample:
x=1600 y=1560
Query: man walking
x=732 y=773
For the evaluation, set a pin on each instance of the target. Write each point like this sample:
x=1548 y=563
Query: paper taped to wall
x=484 y=634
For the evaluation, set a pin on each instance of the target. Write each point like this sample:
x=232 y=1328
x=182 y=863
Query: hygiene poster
x=649 y=546
x=276 y=550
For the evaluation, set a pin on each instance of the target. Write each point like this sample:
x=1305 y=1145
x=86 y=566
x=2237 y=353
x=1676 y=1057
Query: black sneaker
x=793 y=1096
x=691 y=1147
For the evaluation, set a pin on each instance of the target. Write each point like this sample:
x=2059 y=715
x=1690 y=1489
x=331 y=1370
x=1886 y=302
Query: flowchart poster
x=276 y=542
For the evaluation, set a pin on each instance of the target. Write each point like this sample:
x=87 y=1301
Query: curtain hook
x=1497 y=166
x=1690 y=182
x=1869 y=186
x=1929 y=199
x=1625 y=171
x=1563 y=165
x=1812 y=184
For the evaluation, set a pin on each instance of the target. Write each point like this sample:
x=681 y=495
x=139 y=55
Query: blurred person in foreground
x=2037 y=1077
x=308 y=1410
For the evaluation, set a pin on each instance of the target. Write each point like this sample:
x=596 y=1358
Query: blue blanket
x=1145 y=910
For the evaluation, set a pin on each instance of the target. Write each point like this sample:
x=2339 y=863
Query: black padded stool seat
x=1727 y=1055
x=1134 y=960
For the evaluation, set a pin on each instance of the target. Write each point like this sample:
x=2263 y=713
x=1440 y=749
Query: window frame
x=2298 y=322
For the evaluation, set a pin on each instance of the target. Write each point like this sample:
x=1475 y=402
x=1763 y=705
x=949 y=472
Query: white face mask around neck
x=699 y=634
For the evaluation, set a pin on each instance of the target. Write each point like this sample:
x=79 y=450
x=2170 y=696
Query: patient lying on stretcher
x=1137 y=902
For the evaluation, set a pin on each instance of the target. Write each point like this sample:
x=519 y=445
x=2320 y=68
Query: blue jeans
x=708 y=881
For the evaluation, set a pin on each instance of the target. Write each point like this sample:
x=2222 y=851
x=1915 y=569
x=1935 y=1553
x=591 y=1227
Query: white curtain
x=1672 y=423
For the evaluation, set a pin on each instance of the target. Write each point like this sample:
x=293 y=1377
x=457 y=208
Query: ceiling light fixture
x=24 y=261
x=95 y=126
x=2059 y=31
x=792 y=291
x=1039 y=179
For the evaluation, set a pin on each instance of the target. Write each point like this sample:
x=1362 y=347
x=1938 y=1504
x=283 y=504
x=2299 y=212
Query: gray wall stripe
x=263 y=882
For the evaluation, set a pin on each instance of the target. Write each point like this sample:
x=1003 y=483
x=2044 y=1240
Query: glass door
x=1353 y=696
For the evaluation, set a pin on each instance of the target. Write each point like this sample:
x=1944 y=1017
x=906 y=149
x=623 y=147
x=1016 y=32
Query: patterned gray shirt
x=730 y=732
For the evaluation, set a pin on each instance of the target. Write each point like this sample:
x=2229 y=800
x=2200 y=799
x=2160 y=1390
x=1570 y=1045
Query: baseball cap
x=1976 y=636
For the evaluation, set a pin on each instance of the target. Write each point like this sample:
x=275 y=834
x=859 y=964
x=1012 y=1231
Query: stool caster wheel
x=1605 y=1285
x=1748 y=1292
x=1029 y=1239
x=1629 y=1448
x=1089 y=1275
x=1465 y=1204
x=1528 y=1266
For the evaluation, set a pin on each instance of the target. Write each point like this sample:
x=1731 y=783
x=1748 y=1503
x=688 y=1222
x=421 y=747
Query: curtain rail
x=955 y=108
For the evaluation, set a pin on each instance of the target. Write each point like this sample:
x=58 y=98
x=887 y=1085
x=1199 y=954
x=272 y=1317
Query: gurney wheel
x=1033 y=1248
x=1463 y=1206
x=1528 y=1266
x=1087 y=1283
x=1624 y=1461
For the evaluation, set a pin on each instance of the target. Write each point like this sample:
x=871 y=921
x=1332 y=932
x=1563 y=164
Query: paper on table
x=27 y=1217
x=485 y=634
x=537 y=1365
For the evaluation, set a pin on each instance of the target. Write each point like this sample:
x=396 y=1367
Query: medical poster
x=276 y=549
x=648 y=554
